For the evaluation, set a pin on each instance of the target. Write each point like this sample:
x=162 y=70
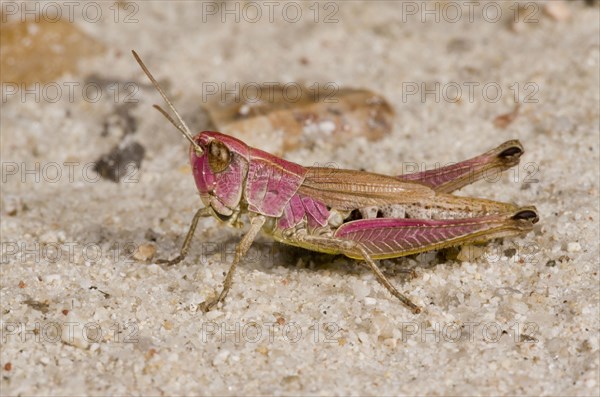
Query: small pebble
x=262 y=350
x=211 y=315
x=557 y=10
x=221 y=357
x=52 y=277
x=244 y=110
x=360 y=289
x=469 y=253
x=327 y=126
x=145 y=252
x=573 y=247
x=13 y=205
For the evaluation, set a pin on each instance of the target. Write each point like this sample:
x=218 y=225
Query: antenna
x=182 y=127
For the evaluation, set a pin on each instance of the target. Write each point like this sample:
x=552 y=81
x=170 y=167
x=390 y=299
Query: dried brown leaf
x=290 y=116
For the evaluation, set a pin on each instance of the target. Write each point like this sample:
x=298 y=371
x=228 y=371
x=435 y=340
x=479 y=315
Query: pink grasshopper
x=361 y=215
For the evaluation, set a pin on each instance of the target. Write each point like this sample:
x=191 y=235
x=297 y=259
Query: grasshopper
x=361 y=215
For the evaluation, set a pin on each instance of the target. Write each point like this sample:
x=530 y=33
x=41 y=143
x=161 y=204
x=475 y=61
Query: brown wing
x=351 y=189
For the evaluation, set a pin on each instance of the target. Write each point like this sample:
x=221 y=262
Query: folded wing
x=351 y=189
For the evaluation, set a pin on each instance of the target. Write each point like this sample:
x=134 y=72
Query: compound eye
x=219 y=156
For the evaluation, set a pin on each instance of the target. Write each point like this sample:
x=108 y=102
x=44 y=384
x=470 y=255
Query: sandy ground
x=519 y=316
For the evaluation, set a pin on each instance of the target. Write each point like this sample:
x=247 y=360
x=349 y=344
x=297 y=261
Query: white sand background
x=520 y=318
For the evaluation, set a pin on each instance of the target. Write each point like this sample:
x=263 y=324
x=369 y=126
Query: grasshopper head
x=219 y=162
x=220 y=170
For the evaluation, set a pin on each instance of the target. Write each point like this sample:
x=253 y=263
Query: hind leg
x=453 y=177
